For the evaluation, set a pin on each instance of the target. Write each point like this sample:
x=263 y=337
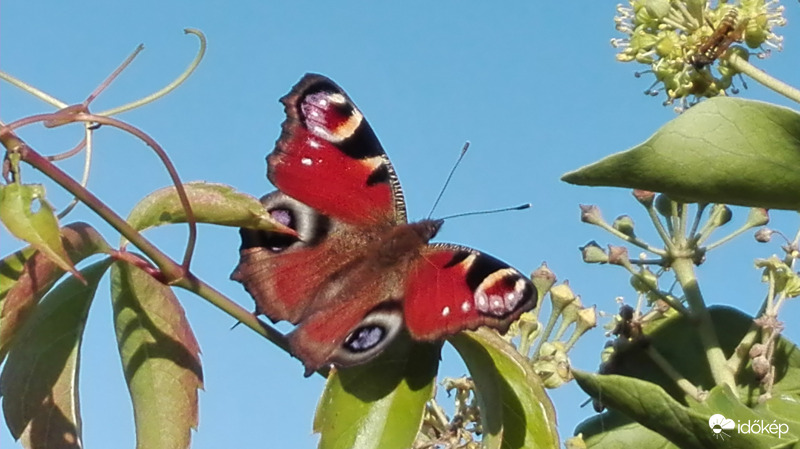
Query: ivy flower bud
x=720 y=215
x=561 y=295
x=591 y=214
x=593 y=253
x=543 y=279
x=644 y=281
x=624 y=224
x=758 y=216
x=764 y=235
x=618 y=255
x=645 y=197
x=664 y=205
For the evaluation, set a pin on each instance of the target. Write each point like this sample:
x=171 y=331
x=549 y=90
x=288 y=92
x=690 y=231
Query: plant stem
x=687 y=387
x=171 y=86
x=171 y=271
x=760 y=76
x=632 y=240
x=651 y=212
x=741 y=353
x=684 y=272
x=200 y=288
x=551 y=323
x=47 y=98
x=174 y=274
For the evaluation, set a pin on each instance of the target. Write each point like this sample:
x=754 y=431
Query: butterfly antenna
x=492 y=211
x=449 y=177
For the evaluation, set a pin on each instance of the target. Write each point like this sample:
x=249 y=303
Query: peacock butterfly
x=357 y=272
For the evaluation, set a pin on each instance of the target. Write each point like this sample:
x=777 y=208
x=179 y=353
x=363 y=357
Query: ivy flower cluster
x=680 y=40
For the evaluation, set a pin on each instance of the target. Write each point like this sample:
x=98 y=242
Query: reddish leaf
x=39 y=274
x=160 y=357
x=40 y=378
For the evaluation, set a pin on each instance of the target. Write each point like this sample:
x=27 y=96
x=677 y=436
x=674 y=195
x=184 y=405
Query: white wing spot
x=481 y=300
x=466 y=306
x=323 y=102
x=446 y=311
x=337 y=98
x=314 y=143
x=306 y=161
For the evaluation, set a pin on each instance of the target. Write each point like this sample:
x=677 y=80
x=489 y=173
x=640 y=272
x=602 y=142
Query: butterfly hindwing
x=450 y=288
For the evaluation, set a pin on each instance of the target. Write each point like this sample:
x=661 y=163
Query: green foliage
x=668 y=372
x=724 y=150
x=515 y=410
x=27 y=215
x=39 y=382
x=160 y=358
x=644 y=398
x=380 y=404
x=211 y=203
x=33 y=273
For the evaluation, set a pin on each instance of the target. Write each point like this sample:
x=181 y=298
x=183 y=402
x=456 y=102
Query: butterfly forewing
x=329 y=158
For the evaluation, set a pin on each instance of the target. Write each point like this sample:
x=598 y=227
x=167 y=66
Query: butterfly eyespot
x=364 y=338
x=276 y=242
x=371 y=336
x=284 y=217
x=502 y=292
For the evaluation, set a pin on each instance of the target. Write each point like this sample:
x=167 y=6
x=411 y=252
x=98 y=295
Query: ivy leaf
x=211 y=203
x=676 y=339
x=37 y=274
x=685 y=426
x=160 y=358
x=515 y=409
x=39 y=383
x=724 y=150
x=378 y=405
x=39 y=228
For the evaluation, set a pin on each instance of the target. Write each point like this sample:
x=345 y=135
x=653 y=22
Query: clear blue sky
x=532 y=85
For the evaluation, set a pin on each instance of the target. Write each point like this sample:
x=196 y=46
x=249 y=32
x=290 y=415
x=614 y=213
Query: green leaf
x=676 y=339
x=378 y=405
x=686 y=427
x=515 y=409
x=160 y=357
x=39 y=228
x=39 y=383
x=724 y=150
x=38 y=275
x=211 y=203
x=612 y=429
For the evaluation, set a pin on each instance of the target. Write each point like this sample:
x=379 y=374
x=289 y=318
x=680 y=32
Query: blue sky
x=534 y=87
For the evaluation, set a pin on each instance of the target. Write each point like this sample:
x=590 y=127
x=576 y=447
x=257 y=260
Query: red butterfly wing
x=451 y=288
x=329 y=158
x=356 y=270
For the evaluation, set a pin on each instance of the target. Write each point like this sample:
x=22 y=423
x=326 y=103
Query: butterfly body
x=358 y=273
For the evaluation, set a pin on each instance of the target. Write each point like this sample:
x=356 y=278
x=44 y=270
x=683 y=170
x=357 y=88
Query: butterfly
x=357 y=273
